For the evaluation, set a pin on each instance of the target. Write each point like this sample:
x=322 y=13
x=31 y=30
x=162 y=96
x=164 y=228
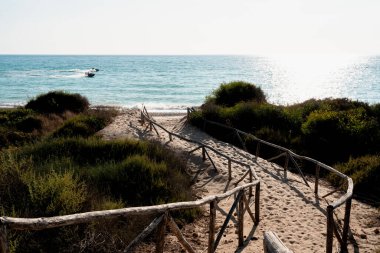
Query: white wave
x=164 y=108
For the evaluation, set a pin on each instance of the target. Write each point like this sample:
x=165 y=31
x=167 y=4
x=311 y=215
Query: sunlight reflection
x=302 y=77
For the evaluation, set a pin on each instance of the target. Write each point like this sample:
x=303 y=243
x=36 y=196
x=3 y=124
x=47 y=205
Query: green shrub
x=60 y=176
x=29 y=124
x=80 y=126
x=339 y=134
x=55 y=193
x=229 y=94
x=108 y=162
x=58 y=102
x=375 y=111
x=364 y=171
x=124 y=180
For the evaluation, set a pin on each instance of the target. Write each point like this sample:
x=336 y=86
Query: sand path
x=288 y=207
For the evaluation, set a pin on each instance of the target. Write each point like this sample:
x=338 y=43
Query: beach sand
x=288 y=207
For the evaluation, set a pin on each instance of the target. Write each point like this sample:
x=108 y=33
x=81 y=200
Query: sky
x=189 y=27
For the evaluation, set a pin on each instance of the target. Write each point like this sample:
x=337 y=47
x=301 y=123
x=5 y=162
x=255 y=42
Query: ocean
x=171 y=83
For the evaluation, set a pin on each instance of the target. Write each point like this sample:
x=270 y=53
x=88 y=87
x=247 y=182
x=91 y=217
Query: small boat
x=94 y=70
x=89 y=74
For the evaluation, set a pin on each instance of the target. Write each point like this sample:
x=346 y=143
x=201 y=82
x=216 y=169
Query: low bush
x=364 y=171
x=62 y=176
x=58 y=102
x=80 y=126
x=329 y=130
x=229 y=94
x=336 y=135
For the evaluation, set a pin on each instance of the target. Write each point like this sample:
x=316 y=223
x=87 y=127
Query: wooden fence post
x=229 y=170
x=3 y=240
x=160 y=240
x=211 y=227
x=257 y=203
x=330 y=229
x=316 y=179
x=258 y=149
x=241 y=220
x=286 y=165
x=346 y=224
x=250 y=180
x=142 y=118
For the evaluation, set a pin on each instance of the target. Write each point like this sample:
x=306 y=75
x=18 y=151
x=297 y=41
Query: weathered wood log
x=177 y=232
x=144 y=233
x=161 y=229
x=211 y=227
x=60 y=221
x=273 y=244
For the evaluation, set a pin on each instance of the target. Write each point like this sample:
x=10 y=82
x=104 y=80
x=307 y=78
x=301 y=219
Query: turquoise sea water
x=174 y=82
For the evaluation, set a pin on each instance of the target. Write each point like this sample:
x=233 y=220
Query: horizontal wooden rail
x=72 y=219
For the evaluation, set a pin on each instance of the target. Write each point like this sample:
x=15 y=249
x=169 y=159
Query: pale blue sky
x=189 y=27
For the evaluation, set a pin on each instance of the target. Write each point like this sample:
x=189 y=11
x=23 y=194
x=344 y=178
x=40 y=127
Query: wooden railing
x=332 y=225
x=162 y=213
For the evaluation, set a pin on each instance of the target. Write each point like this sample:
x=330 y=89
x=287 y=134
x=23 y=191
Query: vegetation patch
x=229 y=94
x=51 y=164
x=58 y=102
x=329 y=130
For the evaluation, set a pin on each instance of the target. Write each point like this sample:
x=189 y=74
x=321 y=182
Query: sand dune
x=288 y=207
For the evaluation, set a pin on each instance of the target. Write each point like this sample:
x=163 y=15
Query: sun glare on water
x=302 y=77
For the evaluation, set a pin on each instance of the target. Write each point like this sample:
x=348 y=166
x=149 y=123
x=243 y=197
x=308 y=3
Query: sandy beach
x=288 y=207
